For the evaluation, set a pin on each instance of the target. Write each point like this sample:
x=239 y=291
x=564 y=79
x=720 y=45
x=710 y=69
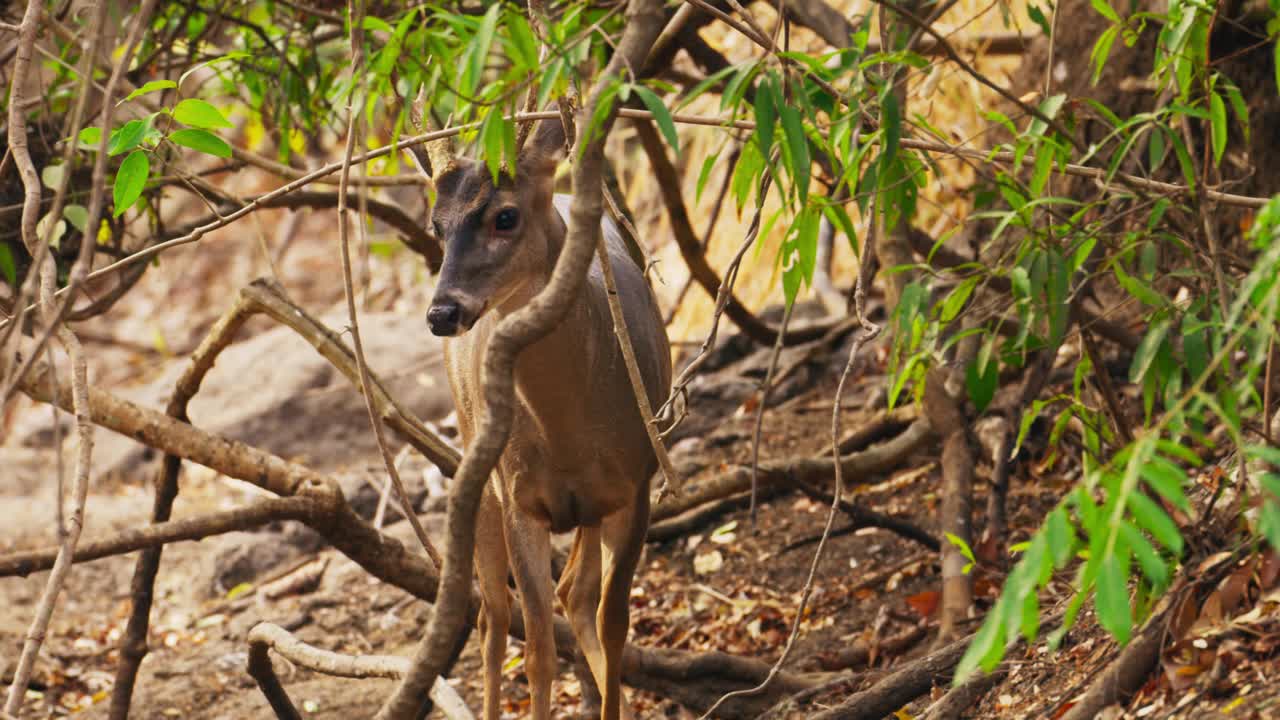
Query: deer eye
x=506 y=219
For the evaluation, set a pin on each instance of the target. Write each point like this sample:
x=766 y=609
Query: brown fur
x=578 y=456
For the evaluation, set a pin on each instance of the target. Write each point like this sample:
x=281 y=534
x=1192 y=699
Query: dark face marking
x=484 y=232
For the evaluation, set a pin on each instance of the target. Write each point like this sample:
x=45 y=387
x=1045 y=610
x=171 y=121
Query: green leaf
x=1037 y=17
x=51 y=175
x=956 y=299
x=153 y=86
x=1269 y=518
x=766 y=110
x=1156 y=521
x=198 y=113
x=1167 y=480
x=702 y=87
x=1238 y=107
x=524 y=46
x=201 y=140
x=1153 y=566
x=1275 y=61
x=965 y=550
x=478 y=53
x=798 y=146
x=661 y=115
x=986 y=650
x=1137 y=287
x=704 y=174
x=7 y=267
x=1049 y=107
x=493 y=141
x=126 y=137
x=377 y=24
x=981 y=382
x=90 y=137
x=1113 y=594
x=604 y=106
x=1105 y=10
x=1147 y=349
x=1218 y=125
x=77 y=215
x=130 y=179
x=1061 y=537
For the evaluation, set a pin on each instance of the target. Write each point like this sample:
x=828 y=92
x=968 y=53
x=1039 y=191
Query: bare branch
x=164 y=533
x=266 y=636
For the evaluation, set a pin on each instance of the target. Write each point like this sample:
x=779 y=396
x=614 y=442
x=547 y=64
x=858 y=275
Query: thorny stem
x=512 y=334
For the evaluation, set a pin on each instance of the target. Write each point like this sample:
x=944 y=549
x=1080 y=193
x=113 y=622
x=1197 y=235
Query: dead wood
x=266 y=297
x=699 y=517
x=1130 y=670
x=900 y=687
x=960 y=698
x=267 y=636
x=873 y=460
x=945 y=413
x=159 y=534
x=863 y=651
x=864 y=518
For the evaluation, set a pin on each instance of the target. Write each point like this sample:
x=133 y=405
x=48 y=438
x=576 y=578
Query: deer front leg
x=495 y=610
x=529 y=547
x=623 y=541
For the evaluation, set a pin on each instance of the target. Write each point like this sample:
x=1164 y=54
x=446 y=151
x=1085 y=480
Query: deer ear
x=545 y=147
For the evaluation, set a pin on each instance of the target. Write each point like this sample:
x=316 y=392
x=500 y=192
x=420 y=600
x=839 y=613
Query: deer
x=578 y=458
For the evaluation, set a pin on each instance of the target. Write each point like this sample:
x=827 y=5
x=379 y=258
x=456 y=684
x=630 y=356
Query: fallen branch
x=163 y=533
x=865 y=518
x=267 y=636
x=900 y=687
x=873 y=460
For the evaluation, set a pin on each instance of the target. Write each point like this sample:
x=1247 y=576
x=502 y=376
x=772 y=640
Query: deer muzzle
x=453 y=313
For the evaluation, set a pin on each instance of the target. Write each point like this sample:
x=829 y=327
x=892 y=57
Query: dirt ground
x=731 y=586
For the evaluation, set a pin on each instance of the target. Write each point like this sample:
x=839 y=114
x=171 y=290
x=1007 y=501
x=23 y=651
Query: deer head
x=500 y=239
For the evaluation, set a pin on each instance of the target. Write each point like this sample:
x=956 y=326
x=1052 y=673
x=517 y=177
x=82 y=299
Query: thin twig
x=356 y=11
x=765 y=386
x=869 y=332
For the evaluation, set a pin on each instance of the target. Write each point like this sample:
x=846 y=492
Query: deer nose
x=443 y=318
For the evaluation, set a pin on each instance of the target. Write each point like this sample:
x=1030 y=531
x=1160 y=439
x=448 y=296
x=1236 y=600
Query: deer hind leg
x=495 y=610
x=623 y=540
x=529 y=546
x=579 y=592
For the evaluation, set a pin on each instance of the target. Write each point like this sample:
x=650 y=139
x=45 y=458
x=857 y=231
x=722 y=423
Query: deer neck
x=552 y=373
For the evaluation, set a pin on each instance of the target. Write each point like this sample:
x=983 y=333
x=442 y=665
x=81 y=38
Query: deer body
x=578 y=457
